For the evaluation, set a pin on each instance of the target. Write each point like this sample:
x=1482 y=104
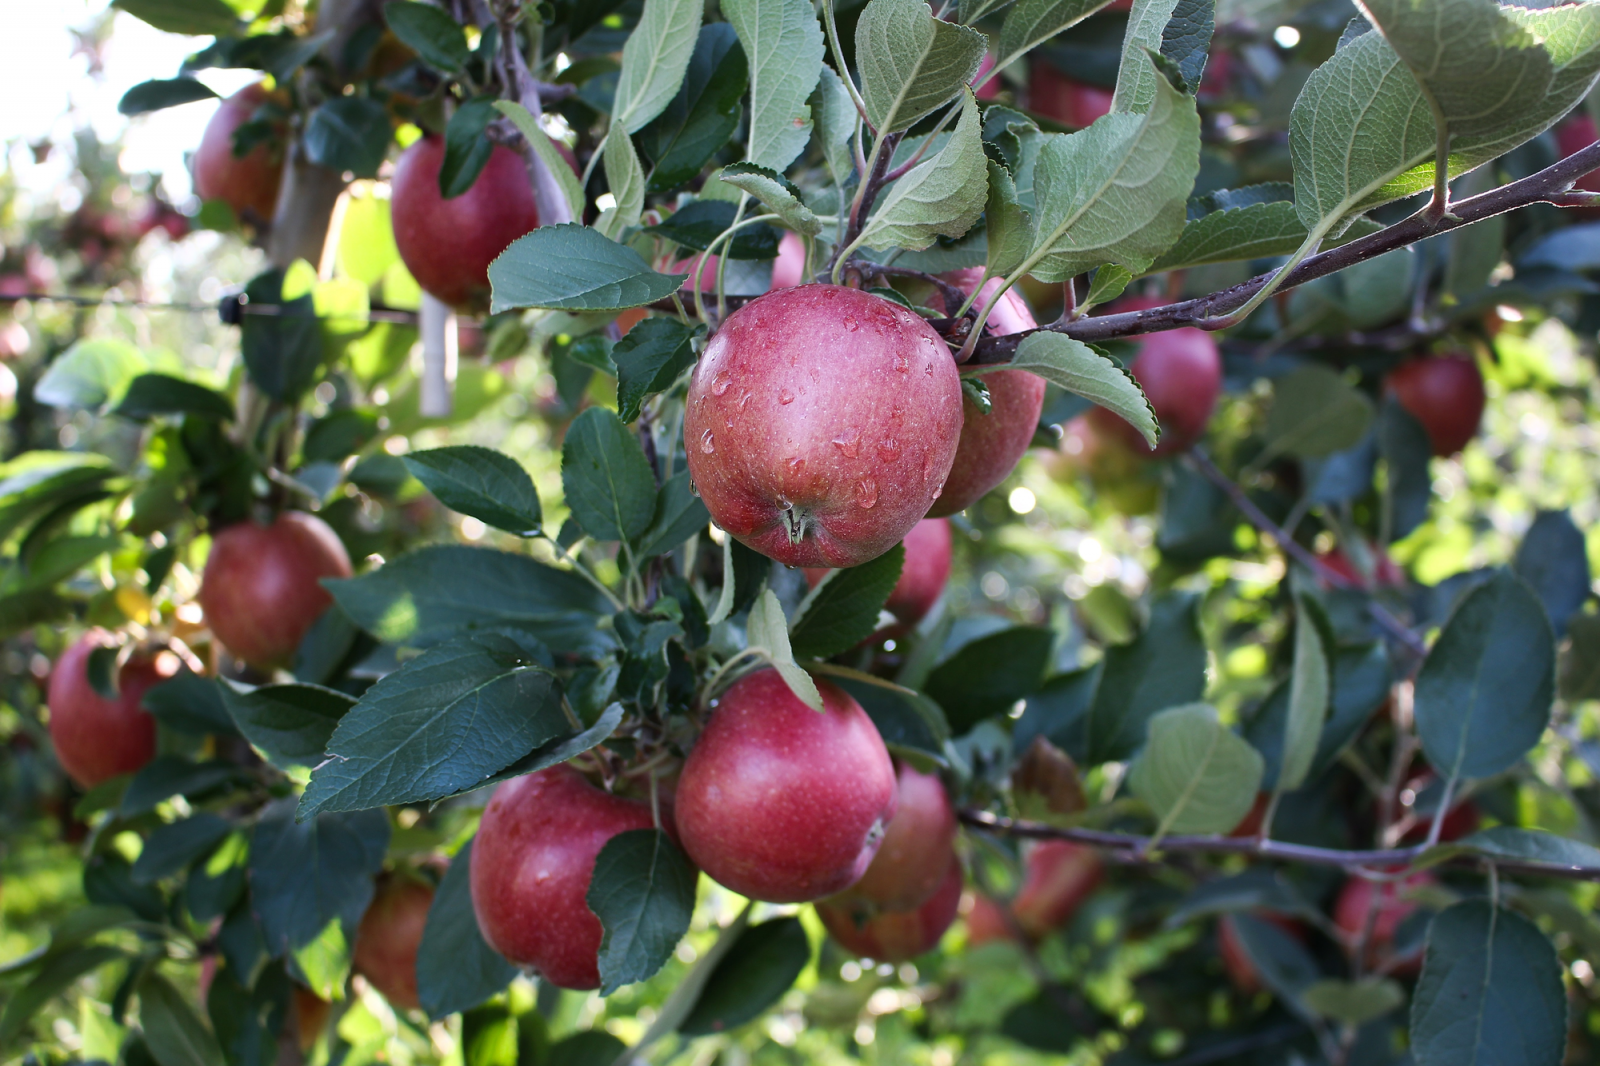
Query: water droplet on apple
x=720 y=383
x=867 y=493
x=796 y=465
x=889 y=449
x=927 y=465
x=707 y=444
x=785 y=396
x=848 y=442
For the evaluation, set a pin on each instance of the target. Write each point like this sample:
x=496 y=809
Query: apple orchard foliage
x=1248 y=719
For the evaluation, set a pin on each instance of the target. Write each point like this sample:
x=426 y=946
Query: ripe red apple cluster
x=1058 y=876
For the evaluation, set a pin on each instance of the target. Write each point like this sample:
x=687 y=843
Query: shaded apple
x=1060 y=875
x=1070 y=102
x=1420 y=798
x=448 y=244
x=532 y=861
x=1386 y=573
x=992 y=443
x=922 y=578
x=1250 y=824
x=788 y=270
x=389 y=936
x=917 y=848
x=95 y=738
x=261 y=588
x=821 y=423
x=987 y=86
x=1180 y=371
x=779 y=802
x=895 y=935
x=1236 y=961
x=1393 y=903
x=311 y=1013
x=247 y=183
x=1444 y=393
x=987 y=921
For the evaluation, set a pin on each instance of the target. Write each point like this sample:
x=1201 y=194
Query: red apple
x=986 y=921
x=311 y=1013
x=448 y=244
x=95 y=738
x=532 y=862
x=247 y=183
x=1060 y=875
x=821 y=424
x=1444 y=393
x=389 y=936
x=895 y=935
x=781 y=803
x=1462 y=820
x=917 y=850
x=1394 y=906
x=1180 y=371
x=992 y=443
x=788 y=270
x=1250 y=824
x=1386 y=572
x=1236 y=961
x=261 y=589
x=987 y=86
x=922 y=579
x=1072 y=103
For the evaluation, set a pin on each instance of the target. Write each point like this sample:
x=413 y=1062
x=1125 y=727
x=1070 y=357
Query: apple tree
x=1000 y=531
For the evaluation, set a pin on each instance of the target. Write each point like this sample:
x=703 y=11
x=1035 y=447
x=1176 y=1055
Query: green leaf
x=189 y=703
x=90 y=374
x=1315 y=413
x=907 y=721
x=1007 y=223
x=171 y=848
x=1484 y=694
x=940 y=197
x=304 y=875
x=488 y=485
x=1107 y=284
x=1310 y=688
x=1137 y=78
x=1116 y=192
x=439 y=40
x=574 y=268
x=1354 y=1002
x=1553 y=558
x=679 y=515
x=1531 y=845
x=625 y=176
x=157 y=94
x=777 y=194
x=607 y=479
x=760 y=967
x=653 y=355
x=1033 y=22
x=149 y=395
x=441 y=723
x=700 y=224
x=836 y=119
x=768 y=632
x=705 y=113
x=1253 y=232
x=654 y=60
x=783 y=46
x=1186 y=38
x=1490 y=991
x=1195 y=773
x=173 y=1029
x=643 y=893
x=434 y=593
x=57 y=974
x=1087 y=372
x=1580 y=666
x=910 y=62
x=456 y=968
x=842 y=611
x=290 y=724
x=545 y=149
x=166 y=776
x=1165 y=665
x=196 y=18
x=283 y=352
x=989 y=675
x=466 y=148
x=349 y=133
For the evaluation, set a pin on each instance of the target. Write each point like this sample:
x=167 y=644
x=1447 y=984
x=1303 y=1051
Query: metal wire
x=229 y=309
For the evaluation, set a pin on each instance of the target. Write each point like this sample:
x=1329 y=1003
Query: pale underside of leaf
x=1138 y=80
x=655 y=60
x=911 y=63
x=1081 y=370
x=940 y=197
x=783 y=44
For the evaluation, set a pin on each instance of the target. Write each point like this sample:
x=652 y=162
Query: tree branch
x=1551 y=185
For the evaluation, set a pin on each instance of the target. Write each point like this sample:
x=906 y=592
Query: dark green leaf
x=162 y=93
x=595 y=1047
x=643 y=893
x=281 y=351
x=574 y=268
x=1406 y=450
x=173 y=1029
x=606 y=477
x=197 y=18
x=441 y=723
x=1490 y=991
x=843 y=610
x=679 y=516
x=150 y=395
x=90 y=374
x=1484 y=693
x=166 y=776
x=1580 y=667
x=698 y=224
x=489 y=1036
x=466 y=148
x=906 y=722
x=25 y=609
x=291 y=724
x=100 y=670
x=648 y=360
x=173 y=847
x=703 y=115
x=338 y=434
x=53 y=978
x=189 y=703
x=433 y=593
x=456 y=968
x=430 y=32
x=1361 y=680
x=108 y=881
x=1058 y=712
x=989 y=675
x=349 y=133
x=1187 y=36
x=1164 y=666
x=488 y=485
x=1554 y=560
x=303 y=875
x=1532 y=845
x=247 y=1020
x=760 y=966
x=1283 y=962
x=559 y=750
